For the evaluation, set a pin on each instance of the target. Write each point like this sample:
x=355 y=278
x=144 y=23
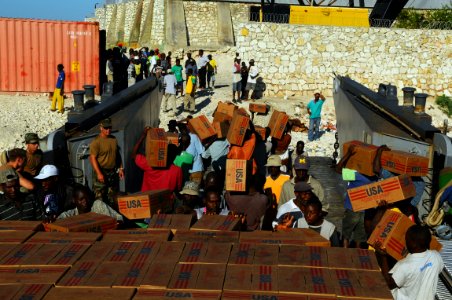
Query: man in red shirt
x=169 y=178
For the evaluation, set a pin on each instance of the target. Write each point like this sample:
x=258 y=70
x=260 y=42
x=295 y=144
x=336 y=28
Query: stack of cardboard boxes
x=196 y=263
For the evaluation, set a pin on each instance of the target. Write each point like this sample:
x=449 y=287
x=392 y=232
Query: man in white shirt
x=416 y=276
x=202 y=69
x=289 y=213
x=253 y=72
x=169 y=98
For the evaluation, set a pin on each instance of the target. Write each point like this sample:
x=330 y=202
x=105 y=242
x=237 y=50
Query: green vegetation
x=435 y=19
x=445 y=104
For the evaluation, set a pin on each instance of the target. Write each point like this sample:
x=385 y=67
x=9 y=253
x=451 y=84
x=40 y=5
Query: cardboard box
x=206 y=236
x=293 y=236
x=221 y=128
x=318 y=281
x=232 y=295
x=391 y=230
x=266 y=254
x=79 y=273
x=172 y=138
x=217 y=222
x=236 y=174
x=170 y=252
x=43 y=254
x=237 y=129
x=121 y=252
x=64 y=237
x=226 y=108
x=352 y=284
x=352 y=258
x=202 y=127
x=392 y=190
x=292 y=279
x=277 y=123
x=30 y=275
x=404 y=163
x=156 y=147
x=258 y=108
x=97 y=251
x=132 y=275
x=21 y=225
x=105 y=274
x=305 y=256
x=5 y=249
x=145 y=252
x=221 y=117
x=93 y=293
x=173 y=222
x=258 y=254
x=24 y=291
x=158 y=275
x=136 y=235
x=15 y=236
x=374 y=285
x=18 y=255
x=69 y=255
x=242 y=254
x=251 y=278
x=206 y=253
x=362 y=160
x=145 y=294
x=199 y=277
x=260 y=131
x=89 y=222
x=145 y=204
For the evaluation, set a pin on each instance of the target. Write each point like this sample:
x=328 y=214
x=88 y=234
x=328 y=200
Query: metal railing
x=382 y=23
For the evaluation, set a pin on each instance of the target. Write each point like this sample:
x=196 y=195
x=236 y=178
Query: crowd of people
x=280 y=194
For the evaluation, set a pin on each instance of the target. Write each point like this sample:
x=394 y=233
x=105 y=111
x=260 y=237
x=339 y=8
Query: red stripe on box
x=119 y=255
x=194 y=256
x=243 y=248
x=25 y=249
x=316 y=259
x=395 y=245
x=318 y=280
x=141 y=257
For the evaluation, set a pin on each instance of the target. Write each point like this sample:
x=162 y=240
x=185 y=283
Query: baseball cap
x=274 y=161
x=31 y=138
x=190 y=188
x=7 y=174
x=47 y=171
x=301 y=163
x=302 y=186
x=105 y=123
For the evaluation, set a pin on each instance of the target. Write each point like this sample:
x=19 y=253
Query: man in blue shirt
x=314 y=111
x=59 y=90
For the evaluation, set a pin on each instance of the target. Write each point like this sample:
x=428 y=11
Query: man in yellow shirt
x=275 y=180
x=190 y=88
x=211 y=71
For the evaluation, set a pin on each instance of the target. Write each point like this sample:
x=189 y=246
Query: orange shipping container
x=39 y=46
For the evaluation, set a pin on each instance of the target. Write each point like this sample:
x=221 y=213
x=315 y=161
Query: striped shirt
x=25 y=210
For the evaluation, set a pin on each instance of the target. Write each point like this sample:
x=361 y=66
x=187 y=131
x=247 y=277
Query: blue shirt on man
x=315 y=108
x=60 y=80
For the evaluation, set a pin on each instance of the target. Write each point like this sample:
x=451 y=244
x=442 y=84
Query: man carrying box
x=416 y=276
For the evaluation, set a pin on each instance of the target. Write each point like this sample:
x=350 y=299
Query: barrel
x=420 y=99
x=79 y=99
x=408 y=96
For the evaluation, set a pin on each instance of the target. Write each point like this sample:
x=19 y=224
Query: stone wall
x=158 y=24
x=130 y=12
x=201 y=20
x=296 y=59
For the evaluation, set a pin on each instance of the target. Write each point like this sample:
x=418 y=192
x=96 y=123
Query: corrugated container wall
x=31 y=50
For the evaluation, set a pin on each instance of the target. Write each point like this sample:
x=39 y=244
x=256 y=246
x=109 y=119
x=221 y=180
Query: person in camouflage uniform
x=107 y=164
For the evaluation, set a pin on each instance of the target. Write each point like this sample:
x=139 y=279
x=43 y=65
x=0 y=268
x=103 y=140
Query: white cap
x=47 y=171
